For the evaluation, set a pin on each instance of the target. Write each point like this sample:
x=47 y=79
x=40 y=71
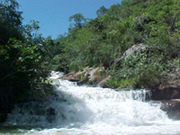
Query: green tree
x=21 y=58
x=78 y=19
x=10 y=21
x=102 y=11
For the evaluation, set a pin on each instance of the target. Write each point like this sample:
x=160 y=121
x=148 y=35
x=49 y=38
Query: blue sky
x=53 y=14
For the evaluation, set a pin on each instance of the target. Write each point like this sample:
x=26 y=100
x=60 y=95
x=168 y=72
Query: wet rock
x=168 y=87
x=172 y=108
x=166 y=93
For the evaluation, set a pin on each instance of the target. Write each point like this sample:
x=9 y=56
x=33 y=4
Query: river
x=83 y=110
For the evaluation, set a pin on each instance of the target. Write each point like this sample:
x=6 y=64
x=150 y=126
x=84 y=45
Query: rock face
x=90 y=76
x=169 y=86
x=168 y=92
x=131 y=51
x=104 y=82
x=172 y=108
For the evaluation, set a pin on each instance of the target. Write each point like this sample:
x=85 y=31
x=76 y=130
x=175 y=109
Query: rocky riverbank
x=167 y=91
x=172 y=108
x=89 y=76
x=168 y=87
x=165 y=86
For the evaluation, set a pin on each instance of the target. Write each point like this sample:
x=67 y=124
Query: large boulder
x=90 y=76
x=79 y=76
x=96 y=75
x=72 y=76
x=172 y=108
x=133 y=50
x=104 y=82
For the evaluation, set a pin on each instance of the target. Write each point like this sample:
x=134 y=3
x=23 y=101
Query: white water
x=82 y=110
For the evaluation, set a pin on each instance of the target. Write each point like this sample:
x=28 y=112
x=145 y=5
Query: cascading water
x=82 y=110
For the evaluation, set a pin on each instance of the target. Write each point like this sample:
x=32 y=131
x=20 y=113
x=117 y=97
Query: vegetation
x=103 y=41
x=26 y=57
x=22 y=56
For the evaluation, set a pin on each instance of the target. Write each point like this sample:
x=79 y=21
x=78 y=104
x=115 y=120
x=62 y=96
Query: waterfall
x=84 y=110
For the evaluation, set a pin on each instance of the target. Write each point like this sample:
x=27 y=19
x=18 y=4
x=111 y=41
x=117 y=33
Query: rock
x=77 y=76
x=90 y=76
x=133 y=50
x=95 y=75
x=168 y=87
x=104 y=82
x=166 y=93
x=172 y=108
x=71 y=76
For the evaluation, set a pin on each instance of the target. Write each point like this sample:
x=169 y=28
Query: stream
x=85 y=110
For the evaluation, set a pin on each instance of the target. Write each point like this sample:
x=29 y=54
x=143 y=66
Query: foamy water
x=82 y=110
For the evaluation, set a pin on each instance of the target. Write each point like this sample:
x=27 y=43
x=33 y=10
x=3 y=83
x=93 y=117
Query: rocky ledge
x=89 y=76
x=172 y=108
x=167 y=90
x=168 y=86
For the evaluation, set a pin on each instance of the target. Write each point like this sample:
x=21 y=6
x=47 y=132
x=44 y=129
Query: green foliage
x=143 y=69
x=103 y=41
x=102 y=11
x=10 y=21
x=78 y=20
x=22 y=70
x=117 y=83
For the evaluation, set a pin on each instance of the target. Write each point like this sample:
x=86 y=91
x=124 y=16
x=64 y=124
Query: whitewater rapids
x=83 y=110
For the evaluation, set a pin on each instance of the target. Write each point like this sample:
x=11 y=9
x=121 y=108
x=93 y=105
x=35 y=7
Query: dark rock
x=166 y=93
x=168 y=87
x=172 y=108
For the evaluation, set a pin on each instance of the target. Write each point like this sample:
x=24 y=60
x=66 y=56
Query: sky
x=53 y=15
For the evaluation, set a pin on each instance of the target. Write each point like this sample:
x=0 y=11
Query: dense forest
x=27 y=58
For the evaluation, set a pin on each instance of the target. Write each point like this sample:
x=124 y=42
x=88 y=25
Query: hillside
x=137 y=42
